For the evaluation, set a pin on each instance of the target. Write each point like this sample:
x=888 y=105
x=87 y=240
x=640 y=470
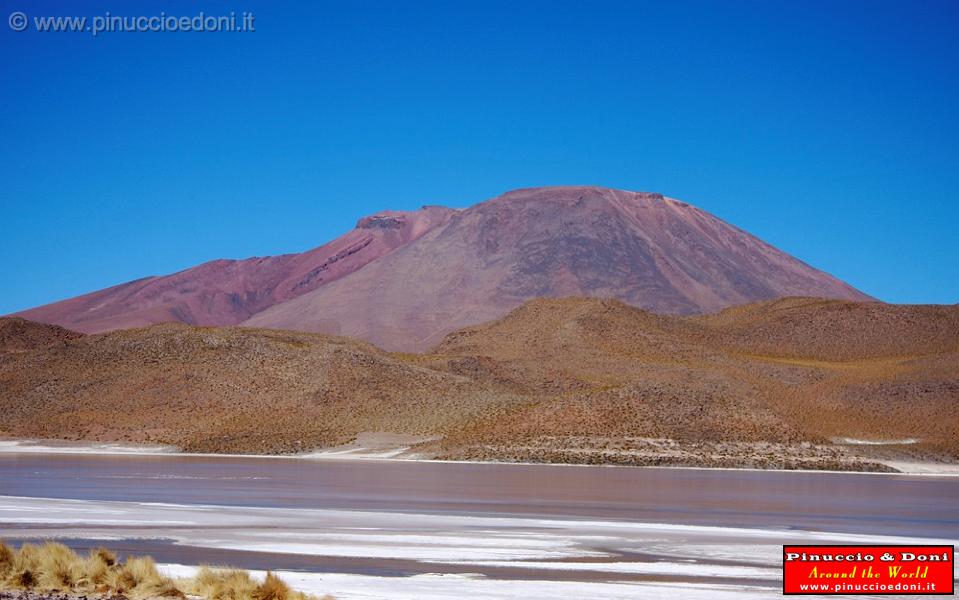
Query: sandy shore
x=400 y=447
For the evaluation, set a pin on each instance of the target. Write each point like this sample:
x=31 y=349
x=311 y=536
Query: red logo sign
x=872 y=570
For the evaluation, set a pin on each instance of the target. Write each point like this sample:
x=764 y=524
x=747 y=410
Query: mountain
x=404 y=280
x=225 y=292
x=644 y=249
x=559 y=380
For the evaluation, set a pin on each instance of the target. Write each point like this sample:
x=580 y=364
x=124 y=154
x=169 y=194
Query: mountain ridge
x=403 y=279
x=227 y=291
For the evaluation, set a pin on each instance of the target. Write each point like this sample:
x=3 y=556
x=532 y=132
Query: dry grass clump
x=138 y=577
x=54 y=567
x=225 y=584
x=232 y=584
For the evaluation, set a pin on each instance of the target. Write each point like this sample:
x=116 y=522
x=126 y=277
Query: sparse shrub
x=95 y=572
x=109 y=558
x=6 y=561
x=24 y=578
x=119 y=580
x=222 y=584
x=58 y=567
x=22 y=572
x=55 y=567
x=231 y=584
x=147 y=581
x=272 y=588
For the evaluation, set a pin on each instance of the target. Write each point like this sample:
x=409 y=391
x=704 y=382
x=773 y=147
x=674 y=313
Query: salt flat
x=378 y=529
x=606 y=554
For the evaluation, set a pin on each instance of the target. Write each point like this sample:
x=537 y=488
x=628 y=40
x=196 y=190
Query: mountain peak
x=643 y=248
x=574 y=192
x=398 y=219
x=403 y=279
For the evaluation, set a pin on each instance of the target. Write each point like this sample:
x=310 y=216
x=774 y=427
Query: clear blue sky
x=828 y=128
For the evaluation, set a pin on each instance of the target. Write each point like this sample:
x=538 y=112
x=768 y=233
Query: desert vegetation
x=53 y=567
x=770 y=384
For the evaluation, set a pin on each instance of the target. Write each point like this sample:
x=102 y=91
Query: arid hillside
x=835 y=330
x=223 y=390
x=403 y=280
x=226 y=292
x=786 y=371
x=21 y=335
x=797 y=382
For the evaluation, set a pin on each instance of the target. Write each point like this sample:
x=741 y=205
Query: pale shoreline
x=358 y=453
x=468 y=543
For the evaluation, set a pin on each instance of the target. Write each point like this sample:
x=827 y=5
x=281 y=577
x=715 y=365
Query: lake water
x=392 y=529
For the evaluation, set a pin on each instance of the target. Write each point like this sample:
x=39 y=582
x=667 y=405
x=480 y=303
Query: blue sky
x=829 y=129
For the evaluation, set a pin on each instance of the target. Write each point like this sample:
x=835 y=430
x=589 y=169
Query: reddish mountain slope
x=404 y=279
x=647 y=250
x=225 y=292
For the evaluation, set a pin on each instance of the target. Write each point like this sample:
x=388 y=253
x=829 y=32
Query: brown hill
x=573 y=380
x=642 y=248
x=794 y=369
x=226 y=292
x=837 y=330
x=21 y=335
x=225 y=390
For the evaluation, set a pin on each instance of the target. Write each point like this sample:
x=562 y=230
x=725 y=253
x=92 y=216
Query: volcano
x=403 y=280
x=645 y=249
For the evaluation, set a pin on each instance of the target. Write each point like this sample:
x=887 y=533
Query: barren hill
x=572 y=380
x=837 y=330
x=404 y=280
x=789 y=370
x=21 y=335
x=224 y=390
x=225 y=292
